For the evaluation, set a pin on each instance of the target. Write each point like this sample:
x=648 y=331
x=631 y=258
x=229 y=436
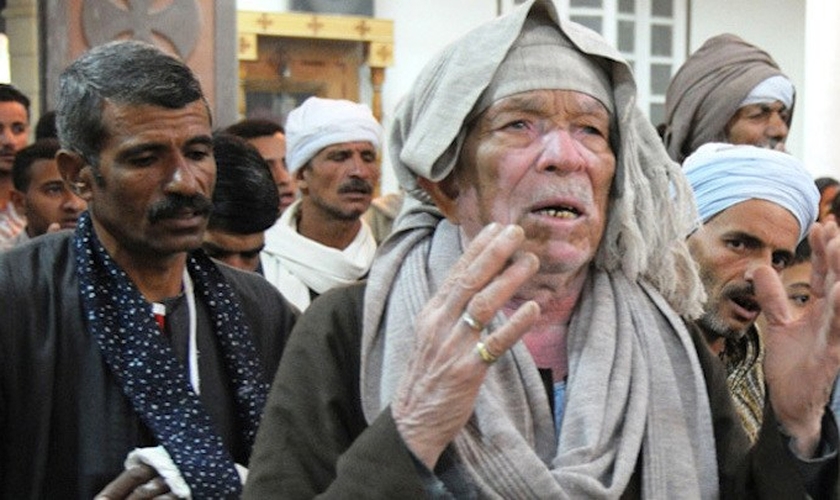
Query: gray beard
x=714 y=327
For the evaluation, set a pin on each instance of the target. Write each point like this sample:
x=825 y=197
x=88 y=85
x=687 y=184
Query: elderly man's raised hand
x=438 y=391
x=803 y=355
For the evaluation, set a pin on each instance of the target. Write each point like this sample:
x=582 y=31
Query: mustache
x=355 y=185
x=744 y=295
x=175 y=204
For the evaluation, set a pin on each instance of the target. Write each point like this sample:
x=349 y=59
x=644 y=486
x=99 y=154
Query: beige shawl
x=636 y=393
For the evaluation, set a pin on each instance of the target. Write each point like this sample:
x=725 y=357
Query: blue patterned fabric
x=154 y=380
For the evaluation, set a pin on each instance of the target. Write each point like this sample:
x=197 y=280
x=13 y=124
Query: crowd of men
x=570 y=303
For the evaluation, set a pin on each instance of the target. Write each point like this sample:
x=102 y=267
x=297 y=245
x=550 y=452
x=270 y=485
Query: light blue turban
x=723 y=175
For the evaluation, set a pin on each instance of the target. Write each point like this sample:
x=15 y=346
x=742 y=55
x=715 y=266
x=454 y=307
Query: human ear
x=76 y=172
x=19 y=200
x=445 y=195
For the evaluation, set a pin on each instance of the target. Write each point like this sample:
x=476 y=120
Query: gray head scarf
x=709 y=88
x=644 y=228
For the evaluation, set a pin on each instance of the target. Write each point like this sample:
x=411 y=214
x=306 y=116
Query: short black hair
x=45 y=128
x=10 y=93
x=245 y=199
x=802 y=253
x=123 y=72
x=251 y=128
x=835 y=207
x=44 y=149
x=824 y=182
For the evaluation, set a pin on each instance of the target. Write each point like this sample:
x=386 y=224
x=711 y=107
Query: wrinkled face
x=273 y=150
x=14 y=132
x=826 y=197
x=238 y=250
x=541 y=159
x=763 y=125
x=737 y=240
x=48 y=199
x=340 y=179
x=151 y=192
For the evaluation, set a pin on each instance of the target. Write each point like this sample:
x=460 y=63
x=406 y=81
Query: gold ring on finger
x=485 y=354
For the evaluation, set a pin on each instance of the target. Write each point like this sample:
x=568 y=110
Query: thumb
x=770 y=295
x=55 y=226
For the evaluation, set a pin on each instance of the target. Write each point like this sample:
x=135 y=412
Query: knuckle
x=480 y=308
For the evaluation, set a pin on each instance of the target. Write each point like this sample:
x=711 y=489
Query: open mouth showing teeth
x=559 y=212
x=747 y=303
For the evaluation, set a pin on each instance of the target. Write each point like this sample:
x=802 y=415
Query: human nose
x=363 y=168
x=760 y=258
x=185 y=177
x=560 y=153
x=777 y=127
x=73 y=203
x=6 y=136
x=281 y=175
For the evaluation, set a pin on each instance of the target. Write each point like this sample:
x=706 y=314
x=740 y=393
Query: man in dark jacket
x=122 y=343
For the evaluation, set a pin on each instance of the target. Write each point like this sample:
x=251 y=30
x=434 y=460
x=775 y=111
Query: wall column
x=22 y=29
x=822 y=98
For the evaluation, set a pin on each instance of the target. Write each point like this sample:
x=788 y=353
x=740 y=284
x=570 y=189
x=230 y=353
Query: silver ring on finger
x=471 y=322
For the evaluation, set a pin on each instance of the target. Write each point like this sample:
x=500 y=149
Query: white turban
x=723 y=175
x=775 y=88
x=318 y=123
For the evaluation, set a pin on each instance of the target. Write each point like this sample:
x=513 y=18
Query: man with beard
x=755 y=206
x=123 y=344
x=14 y=134
x=321 y=241
x=41 y=194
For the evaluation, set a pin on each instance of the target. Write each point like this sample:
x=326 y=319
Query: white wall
x=777 y=26
x=822 y=86
x=421 y=30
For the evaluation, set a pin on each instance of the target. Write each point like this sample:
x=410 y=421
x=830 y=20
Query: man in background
x=270 y=140
x=14 y=134
x=727 y=91
x=755 y=206
x=321 y=241
x=244 y=204
x=40 y=193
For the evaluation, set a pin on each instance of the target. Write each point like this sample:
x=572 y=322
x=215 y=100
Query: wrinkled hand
x=803 y=355
x=438 y=391
x=136 y=483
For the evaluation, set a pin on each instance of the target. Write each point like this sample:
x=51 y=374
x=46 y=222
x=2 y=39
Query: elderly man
x=558 y=220
x=755 y=206
x=727 y=91
x=270 y=140
x=14 y=134
x=120 y=337
x=41 y=194
x=244 y=204
x=321 y=240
